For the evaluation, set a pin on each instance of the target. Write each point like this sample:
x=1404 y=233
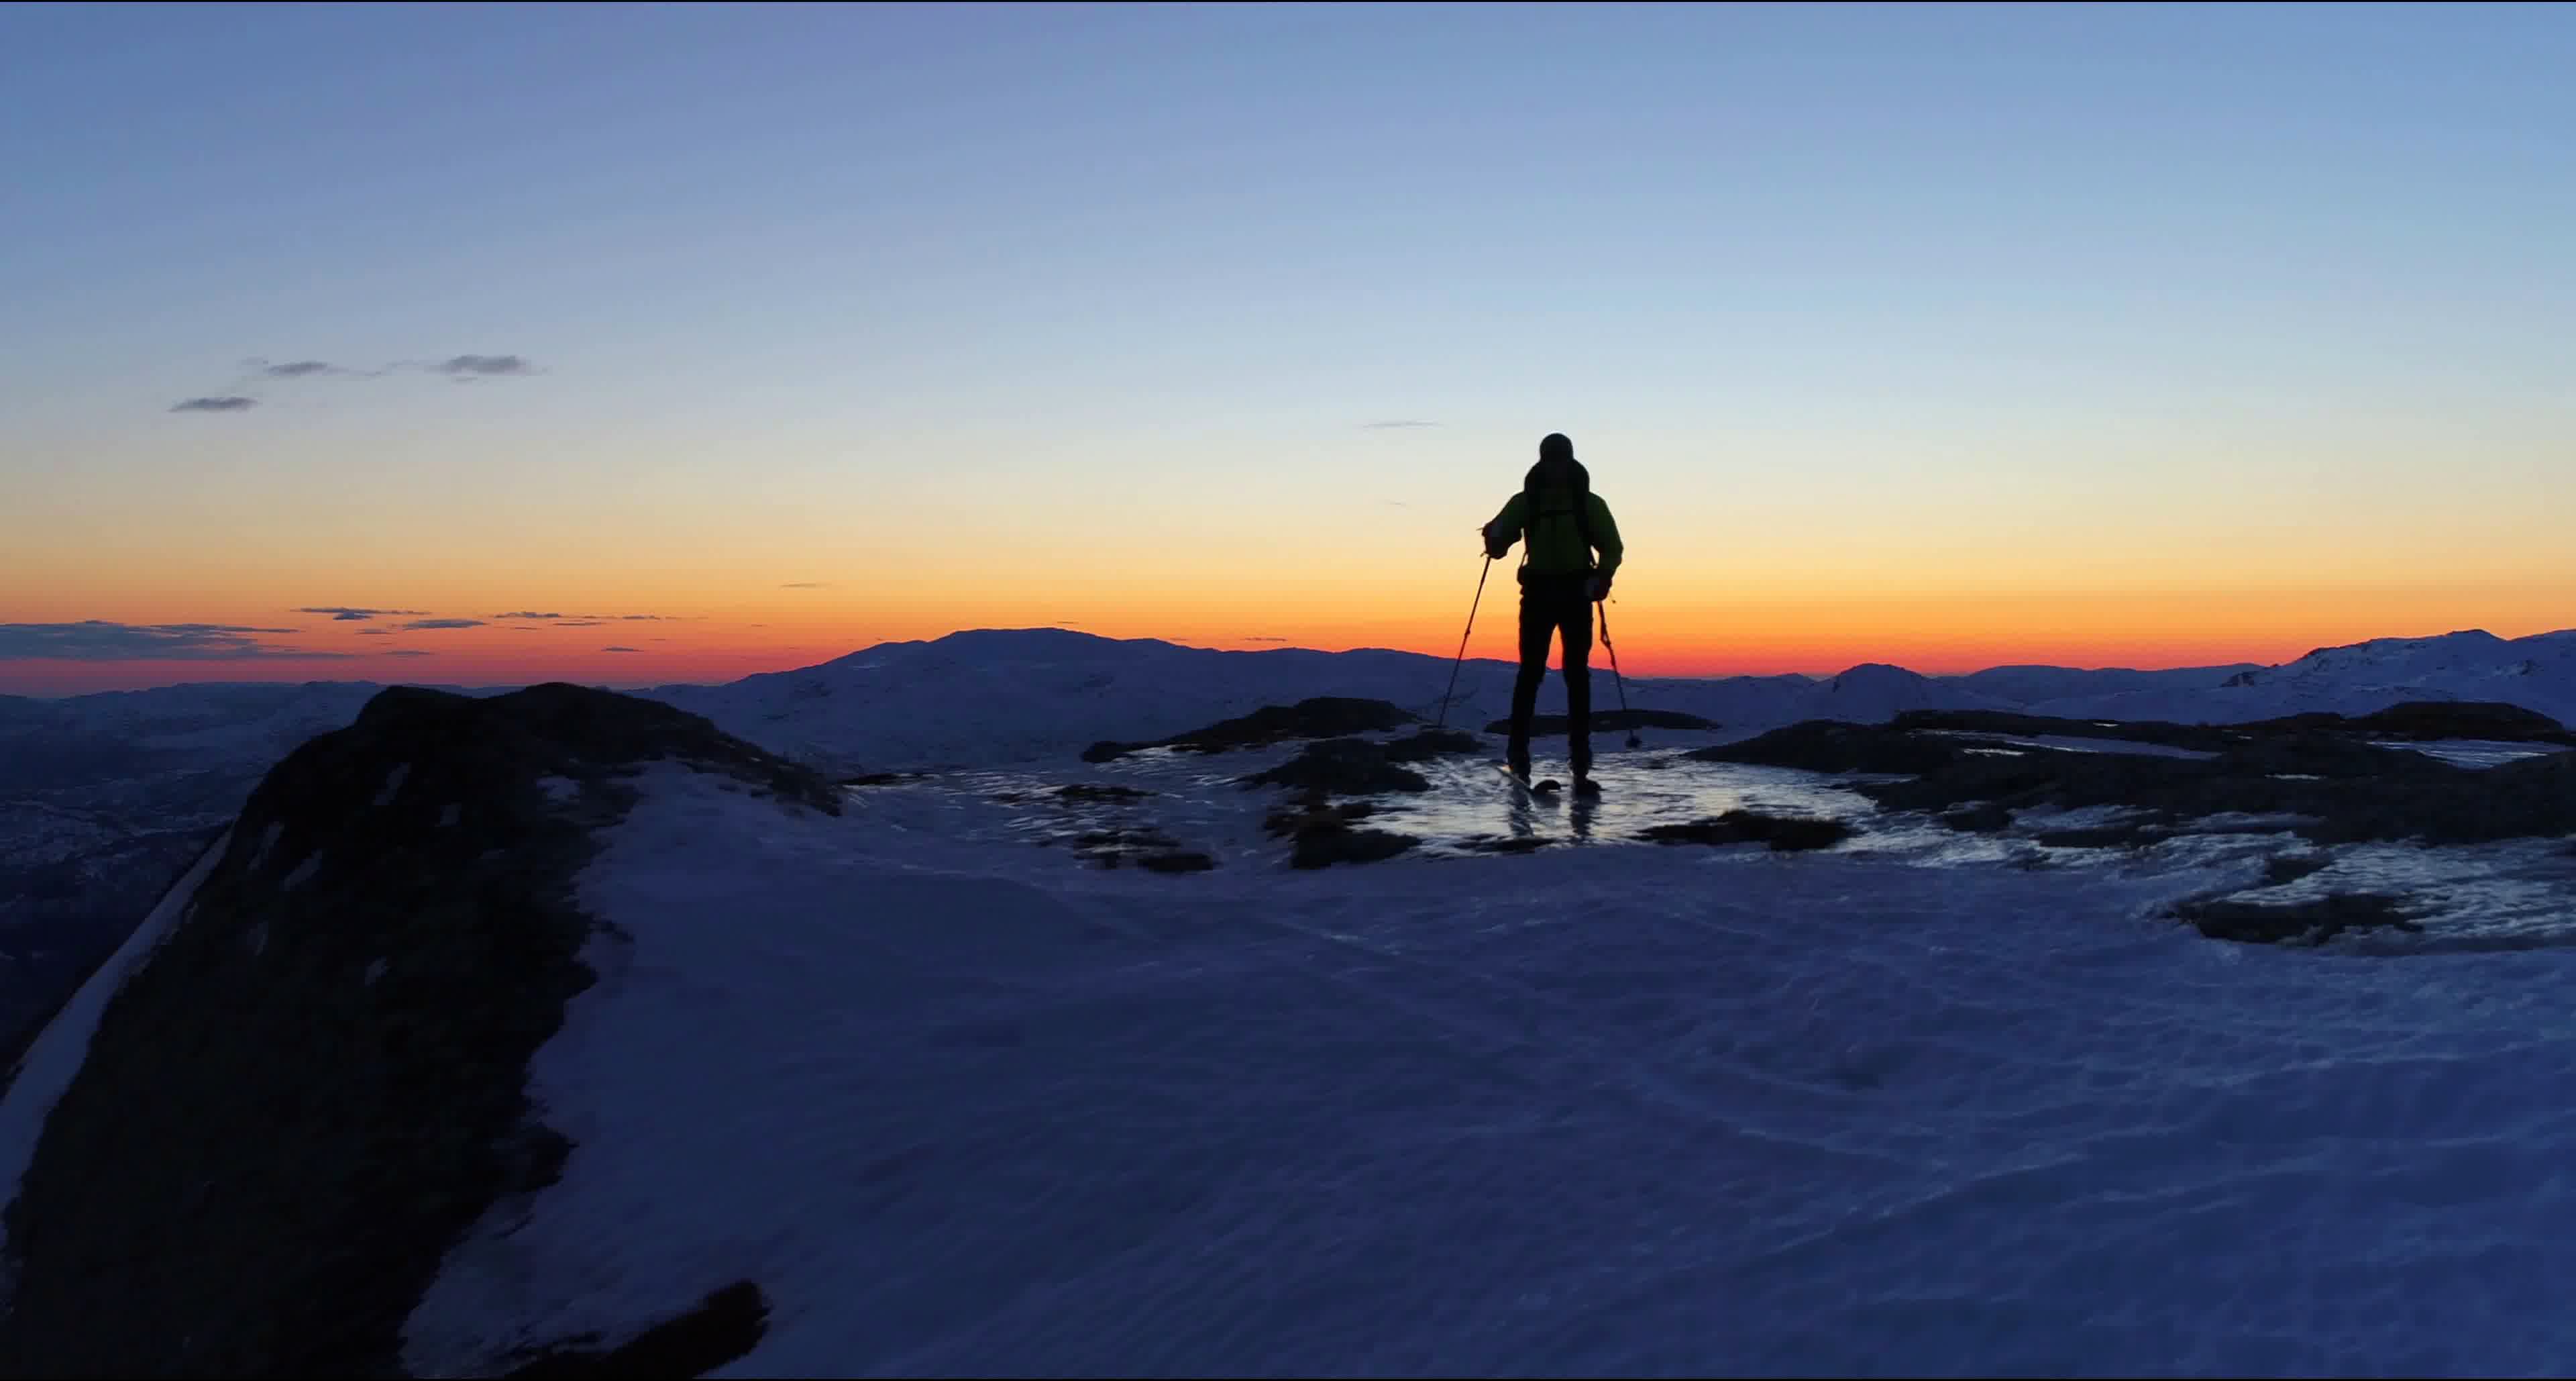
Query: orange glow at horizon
x=1657 y=632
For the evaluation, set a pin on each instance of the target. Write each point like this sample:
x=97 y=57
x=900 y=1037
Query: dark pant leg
x=1574 y=631
x=1538 y=624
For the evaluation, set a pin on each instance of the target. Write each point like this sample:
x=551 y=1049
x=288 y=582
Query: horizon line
x=632 y=685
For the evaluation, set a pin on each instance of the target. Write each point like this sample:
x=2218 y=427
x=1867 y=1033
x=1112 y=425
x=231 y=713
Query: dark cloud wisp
x=444 y=623
x=484 y=366
x=621 y=649
x=458 y=368
x=343 y=614
x=101 y=640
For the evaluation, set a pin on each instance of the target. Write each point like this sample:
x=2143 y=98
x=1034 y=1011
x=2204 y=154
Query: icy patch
x=559 y=789
x=257 y=939
x=448 y=816
x=393 y=783
x=2080 y=818
x=2115 y=745
x=54 y=1059
x=2240 y=821
x=2509 y=895
x=267 y=840
x=1470 y=801
x=2072 y=744
x=2465 y=752
x=303 y=873
x=375 y=970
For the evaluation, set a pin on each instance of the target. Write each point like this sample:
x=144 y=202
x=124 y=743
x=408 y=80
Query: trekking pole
x=1604 y=607
x=1462 y=642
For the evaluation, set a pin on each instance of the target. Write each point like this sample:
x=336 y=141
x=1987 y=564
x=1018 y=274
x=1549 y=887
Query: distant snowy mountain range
x=1017 y=695
x=994 y=696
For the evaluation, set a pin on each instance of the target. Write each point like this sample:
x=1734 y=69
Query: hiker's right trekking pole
x=1604 y=607
x=1462 y=642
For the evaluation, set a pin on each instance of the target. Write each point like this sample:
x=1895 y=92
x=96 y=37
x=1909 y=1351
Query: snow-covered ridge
x=331 y=1022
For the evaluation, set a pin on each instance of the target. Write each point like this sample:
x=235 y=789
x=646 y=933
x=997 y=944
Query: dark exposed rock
x=2337 y=783
x=316 y=1085
x=2413 y=721
x=1314 y=808
x=1175 y=861
x=2202 y=737
x=1985 y=817
x=1089 y=791
x=2312 y=922
x=1507 y=844
x=1783 y=833
x=1321 y=832
x=1323 y=716
x=724 y=1327
x=2427 y=720
x=2281 y=868
x=2126 y=834
x=1325 y=844
x=1826 y=745
x=1146 y=848
x=1342 y=766
x=882 y=778
x=1434 y=743
x=1609 y=721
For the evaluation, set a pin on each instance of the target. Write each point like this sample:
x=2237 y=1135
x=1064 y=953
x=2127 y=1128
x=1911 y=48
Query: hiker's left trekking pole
x=1603 y=606
x=1462 y=642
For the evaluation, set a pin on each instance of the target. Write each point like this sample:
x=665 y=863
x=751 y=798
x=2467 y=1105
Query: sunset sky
x=341 y=340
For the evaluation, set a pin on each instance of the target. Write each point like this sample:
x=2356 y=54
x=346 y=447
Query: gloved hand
x=1497 y=544
x=1600 y=588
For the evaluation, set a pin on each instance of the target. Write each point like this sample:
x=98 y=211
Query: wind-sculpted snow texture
x=1591 y=1111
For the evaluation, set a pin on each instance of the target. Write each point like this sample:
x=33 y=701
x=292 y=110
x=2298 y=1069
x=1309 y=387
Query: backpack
x=1530 y=514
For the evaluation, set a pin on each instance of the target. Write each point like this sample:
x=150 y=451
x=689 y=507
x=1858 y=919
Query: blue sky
x=1940 y=276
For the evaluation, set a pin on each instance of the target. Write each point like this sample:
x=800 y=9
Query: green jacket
x=1555 y=538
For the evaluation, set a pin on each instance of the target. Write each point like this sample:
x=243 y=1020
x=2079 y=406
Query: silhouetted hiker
x=1561 y=523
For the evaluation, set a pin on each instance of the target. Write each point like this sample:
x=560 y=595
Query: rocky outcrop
x=1342 y=767
x=316 y=1085
x=1323 y=832
x=1324 y=716
x=2309 y=922
x=2325 y=776
x=1785 y=834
